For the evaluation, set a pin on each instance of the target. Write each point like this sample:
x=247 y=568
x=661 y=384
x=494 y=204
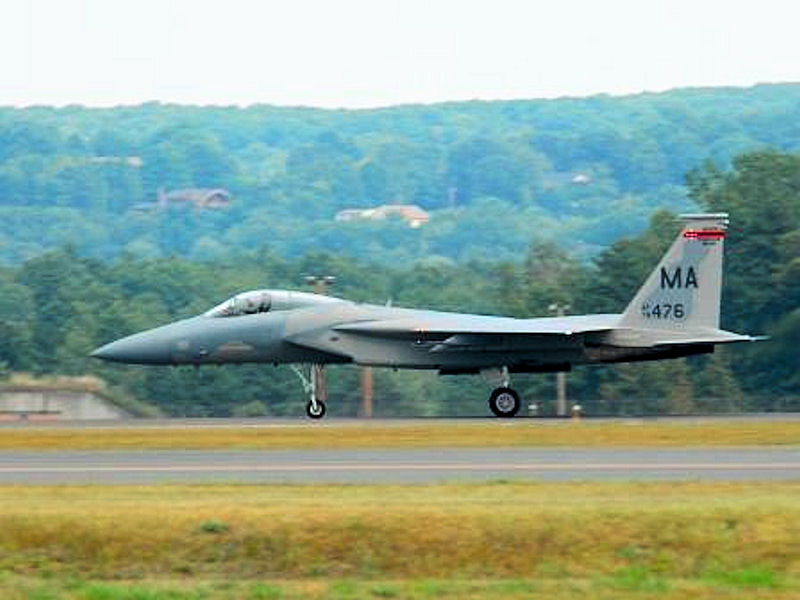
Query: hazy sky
x=359 y=53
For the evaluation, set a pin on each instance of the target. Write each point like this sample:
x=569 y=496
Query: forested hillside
x=495 y=176
x=530 y=202
x=56 y=307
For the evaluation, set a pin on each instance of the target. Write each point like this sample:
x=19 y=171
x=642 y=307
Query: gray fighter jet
x=674 y=314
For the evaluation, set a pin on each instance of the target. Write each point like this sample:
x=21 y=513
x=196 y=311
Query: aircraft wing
x=478 y=332
x=481 y=324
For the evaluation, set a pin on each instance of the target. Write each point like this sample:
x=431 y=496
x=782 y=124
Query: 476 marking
x=676 y=311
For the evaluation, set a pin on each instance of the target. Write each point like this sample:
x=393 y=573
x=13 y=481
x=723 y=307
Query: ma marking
x=677 y=279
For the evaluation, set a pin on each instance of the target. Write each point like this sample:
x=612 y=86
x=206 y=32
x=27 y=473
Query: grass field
x=495 y=540
x=489 y=433
x=621 y=586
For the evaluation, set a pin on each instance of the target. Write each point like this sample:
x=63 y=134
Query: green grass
x=492 y=433
x=14 y=587
x=753 y=576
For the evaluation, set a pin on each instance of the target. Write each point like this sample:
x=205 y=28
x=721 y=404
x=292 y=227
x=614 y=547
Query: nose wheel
x=315 y=409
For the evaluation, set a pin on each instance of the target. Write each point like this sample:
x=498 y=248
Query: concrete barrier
x=55 y=405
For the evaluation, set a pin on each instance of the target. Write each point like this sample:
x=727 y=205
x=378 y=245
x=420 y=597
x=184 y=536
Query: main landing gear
x=315 y=409
x=504 y=401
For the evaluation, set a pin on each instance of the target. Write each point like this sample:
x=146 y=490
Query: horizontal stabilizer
x=721 y=337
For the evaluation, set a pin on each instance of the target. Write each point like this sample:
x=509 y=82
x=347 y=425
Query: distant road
x=339 y=422
x=398 y=466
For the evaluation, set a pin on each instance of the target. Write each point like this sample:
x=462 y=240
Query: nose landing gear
x=315 y=409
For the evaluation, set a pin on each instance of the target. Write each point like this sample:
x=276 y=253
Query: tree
x=16 y=321
x=761 y=291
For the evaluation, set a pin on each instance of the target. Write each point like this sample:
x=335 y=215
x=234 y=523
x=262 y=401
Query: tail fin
x=683 y=292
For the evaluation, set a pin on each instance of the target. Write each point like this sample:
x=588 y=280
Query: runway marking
x=412 y=467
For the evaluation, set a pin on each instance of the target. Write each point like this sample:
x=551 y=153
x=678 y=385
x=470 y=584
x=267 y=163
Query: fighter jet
x=674 y=314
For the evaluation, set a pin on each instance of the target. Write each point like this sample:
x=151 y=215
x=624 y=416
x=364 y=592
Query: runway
x=402 y=466
x=335 y=422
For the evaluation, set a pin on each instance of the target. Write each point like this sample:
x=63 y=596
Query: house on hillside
x=412 y=214
x=129 y=161
x=198 y=197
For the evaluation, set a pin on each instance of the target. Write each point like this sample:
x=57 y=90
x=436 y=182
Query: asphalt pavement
x=303 y=421
x=402 y=466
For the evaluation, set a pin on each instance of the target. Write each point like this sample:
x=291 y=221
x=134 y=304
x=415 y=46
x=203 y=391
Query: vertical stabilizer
x=683 y=292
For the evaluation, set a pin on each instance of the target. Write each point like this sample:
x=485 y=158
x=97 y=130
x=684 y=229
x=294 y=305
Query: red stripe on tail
x=704 y=234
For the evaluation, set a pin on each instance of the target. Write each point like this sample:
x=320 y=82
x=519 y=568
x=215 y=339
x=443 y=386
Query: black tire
x=319 y=413
x=504 y=402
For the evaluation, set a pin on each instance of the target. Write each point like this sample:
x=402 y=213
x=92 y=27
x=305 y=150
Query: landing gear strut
x=315 y=409
x=504 y=401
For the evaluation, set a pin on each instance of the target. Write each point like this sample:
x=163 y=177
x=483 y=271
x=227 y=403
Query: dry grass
x=625 y=534
x=424 y=434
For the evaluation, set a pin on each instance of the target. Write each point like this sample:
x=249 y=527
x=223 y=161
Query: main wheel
x=504 y=402
x=315 y=412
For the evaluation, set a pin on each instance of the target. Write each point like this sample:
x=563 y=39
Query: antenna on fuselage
x=320 y=283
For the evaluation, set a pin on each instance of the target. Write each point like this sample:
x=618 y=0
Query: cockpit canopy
x=261 y=301
x=246 y=303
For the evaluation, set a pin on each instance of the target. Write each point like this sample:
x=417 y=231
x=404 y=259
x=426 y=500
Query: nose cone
x=146 y=348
